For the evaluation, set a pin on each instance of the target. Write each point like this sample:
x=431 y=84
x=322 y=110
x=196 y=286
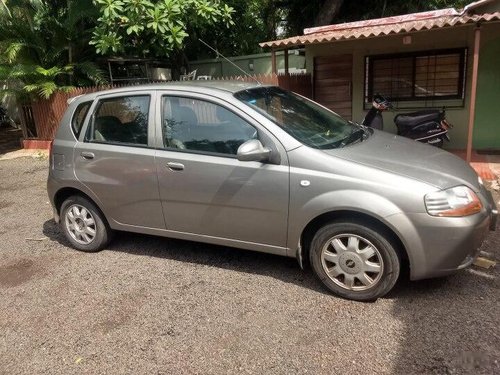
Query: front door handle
x=175 y=166
x=87 y=155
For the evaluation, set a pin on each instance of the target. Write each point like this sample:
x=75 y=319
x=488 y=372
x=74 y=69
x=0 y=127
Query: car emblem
x=350 y=263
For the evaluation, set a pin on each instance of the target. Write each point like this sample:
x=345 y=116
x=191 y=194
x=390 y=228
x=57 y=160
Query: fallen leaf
x=484 y=263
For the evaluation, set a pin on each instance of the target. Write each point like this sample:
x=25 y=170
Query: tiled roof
x=383 y=26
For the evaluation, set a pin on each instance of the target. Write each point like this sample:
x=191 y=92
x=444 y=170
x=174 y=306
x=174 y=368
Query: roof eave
x=371 y=32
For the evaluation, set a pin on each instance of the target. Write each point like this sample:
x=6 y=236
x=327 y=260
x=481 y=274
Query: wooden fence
x=47 y=113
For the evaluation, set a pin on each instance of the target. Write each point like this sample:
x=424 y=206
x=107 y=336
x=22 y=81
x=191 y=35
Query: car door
x=204 y=189
x=115 y=159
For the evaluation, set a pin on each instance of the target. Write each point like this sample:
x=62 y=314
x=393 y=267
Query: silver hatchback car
x=260 y=168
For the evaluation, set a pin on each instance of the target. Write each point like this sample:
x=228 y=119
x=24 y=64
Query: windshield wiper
x=353 y=137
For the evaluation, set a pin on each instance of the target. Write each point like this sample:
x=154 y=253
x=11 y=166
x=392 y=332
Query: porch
x=446 y=58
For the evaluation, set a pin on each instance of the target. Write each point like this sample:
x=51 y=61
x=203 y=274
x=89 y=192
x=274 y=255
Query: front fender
x=370 y=204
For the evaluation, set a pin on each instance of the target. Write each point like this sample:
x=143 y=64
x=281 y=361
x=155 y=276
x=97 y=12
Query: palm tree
x=44 y=44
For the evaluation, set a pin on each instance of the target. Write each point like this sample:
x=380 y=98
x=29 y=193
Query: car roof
x=228 y=86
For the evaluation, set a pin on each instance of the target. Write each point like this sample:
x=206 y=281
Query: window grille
x=417 y=76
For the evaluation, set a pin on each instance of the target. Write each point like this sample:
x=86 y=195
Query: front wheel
x=84 y=225
x=354 y=261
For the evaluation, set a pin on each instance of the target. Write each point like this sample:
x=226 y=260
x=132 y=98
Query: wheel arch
x=354 y=216
x=66 y=192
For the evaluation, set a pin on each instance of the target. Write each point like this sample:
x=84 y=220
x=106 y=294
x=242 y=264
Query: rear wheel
x=436 y=143
x=354 y=261
x=84 y=225
x=439 y=144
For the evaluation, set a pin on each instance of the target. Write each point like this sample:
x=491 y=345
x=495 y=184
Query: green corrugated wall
x=487 y=120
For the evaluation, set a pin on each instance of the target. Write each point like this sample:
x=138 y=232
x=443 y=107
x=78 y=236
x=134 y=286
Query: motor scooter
x=427 y=126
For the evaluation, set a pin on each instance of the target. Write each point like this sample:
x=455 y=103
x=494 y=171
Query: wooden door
x=333 y=83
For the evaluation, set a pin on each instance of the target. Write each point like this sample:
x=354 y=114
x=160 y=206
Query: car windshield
x=303 y=119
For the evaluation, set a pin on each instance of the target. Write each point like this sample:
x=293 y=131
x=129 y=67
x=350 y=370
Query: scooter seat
x=409 y=120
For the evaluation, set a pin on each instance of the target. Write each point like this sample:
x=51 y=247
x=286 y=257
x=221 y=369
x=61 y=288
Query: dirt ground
x=149 y=305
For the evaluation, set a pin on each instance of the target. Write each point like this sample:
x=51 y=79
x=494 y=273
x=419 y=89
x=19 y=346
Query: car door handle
x=87 y=155
x=175 y=166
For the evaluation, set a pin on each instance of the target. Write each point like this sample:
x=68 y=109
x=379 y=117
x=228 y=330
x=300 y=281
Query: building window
x=417 y=76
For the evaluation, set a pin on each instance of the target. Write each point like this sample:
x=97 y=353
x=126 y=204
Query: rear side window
x=121 y=120
x=79 y=117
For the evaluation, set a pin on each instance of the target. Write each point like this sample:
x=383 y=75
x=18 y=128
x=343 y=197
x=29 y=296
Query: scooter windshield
x=303 y=119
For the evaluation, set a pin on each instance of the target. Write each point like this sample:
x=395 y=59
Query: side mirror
x=253 y=150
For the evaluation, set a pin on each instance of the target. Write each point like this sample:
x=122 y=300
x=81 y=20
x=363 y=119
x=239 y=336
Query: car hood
x=409 y=158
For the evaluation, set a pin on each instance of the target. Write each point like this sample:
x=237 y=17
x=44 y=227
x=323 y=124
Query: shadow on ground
x=282 y=268
x=450 y=324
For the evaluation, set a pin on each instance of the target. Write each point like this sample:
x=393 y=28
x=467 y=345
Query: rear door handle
x=175 y=166
x=87 y=155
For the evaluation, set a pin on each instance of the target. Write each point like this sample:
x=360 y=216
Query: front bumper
x=439 y=246
x=491 y=207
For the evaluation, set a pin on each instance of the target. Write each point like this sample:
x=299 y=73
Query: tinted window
x=122 y=120
x=79 y=117
x=197 y=125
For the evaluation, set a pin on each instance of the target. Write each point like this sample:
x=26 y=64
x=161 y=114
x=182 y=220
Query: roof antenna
x=229 y=61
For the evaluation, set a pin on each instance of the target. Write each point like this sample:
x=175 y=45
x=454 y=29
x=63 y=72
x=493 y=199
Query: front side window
x=306 y=121
x=121 y=120
x=198 y=125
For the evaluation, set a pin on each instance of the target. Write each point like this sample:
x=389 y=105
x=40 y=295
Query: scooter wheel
x=439 y=144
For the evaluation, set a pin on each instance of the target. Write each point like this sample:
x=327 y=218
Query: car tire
x=84 y=225
x=354 y=260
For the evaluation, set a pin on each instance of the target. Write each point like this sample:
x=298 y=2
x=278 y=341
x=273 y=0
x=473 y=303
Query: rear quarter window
x=79 y=117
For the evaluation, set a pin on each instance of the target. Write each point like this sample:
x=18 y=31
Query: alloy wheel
x=80 y=224
x=352 y=262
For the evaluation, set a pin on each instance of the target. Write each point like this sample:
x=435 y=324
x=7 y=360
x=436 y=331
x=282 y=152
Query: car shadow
x=444 y=326
x=282 y=268
x=278 y=267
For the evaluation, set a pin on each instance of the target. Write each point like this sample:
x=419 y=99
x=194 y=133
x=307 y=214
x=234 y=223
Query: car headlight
x=454 y=202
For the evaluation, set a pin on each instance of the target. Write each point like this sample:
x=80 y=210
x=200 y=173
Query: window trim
x=164 y=147
x=95 y=107
x=461 y=81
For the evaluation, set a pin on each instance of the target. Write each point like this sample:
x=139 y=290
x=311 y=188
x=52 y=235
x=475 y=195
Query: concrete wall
x=458 y=37
x=261 y=64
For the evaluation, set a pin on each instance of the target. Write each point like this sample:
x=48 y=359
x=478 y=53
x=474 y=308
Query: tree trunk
x=328 y=11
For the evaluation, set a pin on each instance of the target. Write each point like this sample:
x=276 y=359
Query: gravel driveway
x=153 y=305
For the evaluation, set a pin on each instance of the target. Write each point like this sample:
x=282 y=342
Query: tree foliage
x=154 y=28
x=299 y=15
x=364 y=9
x=242 y=38
x=44 y=44
x=51 y=45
